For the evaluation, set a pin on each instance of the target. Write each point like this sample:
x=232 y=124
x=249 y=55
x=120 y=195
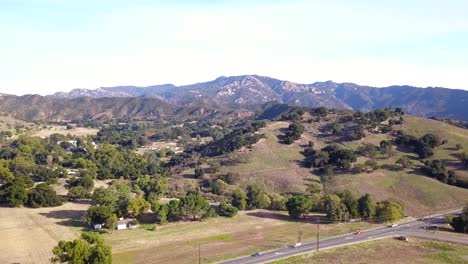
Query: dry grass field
x=28 y=235
x=388 y=251
x=75 y=131
x=275 y=165
x=219 y=238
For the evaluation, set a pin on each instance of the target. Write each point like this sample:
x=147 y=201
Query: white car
x=393 y=225
x=297 y=245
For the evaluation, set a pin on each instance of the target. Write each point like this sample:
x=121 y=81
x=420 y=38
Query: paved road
x=414 y=229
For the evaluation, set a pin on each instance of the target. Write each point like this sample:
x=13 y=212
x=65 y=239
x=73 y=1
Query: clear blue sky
x=57 y=45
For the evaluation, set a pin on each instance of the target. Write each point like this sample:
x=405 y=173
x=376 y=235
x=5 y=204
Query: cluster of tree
x=131 y=135
x=460 y=223
x=357 y=133
x=344 y=206
x=436 y=169
x=352 y=126
x=186 y=131
x=368 y=166
x=239 y=137
x=422 y=146
x=42 y=195
x=90 y=248
x=332 y=155
x=170 y=133
x=293 y=133
x=29 y=159
x=256 y=198
x=123 y=200
x=206 y=128
x=17 y=189
x=189 y=207
x=375 y=118
x=293 y=115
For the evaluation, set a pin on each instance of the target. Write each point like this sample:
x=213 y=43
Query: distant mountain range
x=254 y=89
x=224 y=93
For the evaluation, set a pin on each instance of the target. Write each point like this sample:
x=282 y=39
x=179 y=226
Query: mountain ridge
x=254 y=89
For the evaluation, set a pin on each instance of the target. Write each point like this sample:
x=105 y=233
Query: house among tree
x=126 y=223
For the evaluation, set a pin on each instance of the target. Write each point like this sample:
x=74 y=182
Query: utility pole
x=299 y=234
x=318 y=233
x=199 y=254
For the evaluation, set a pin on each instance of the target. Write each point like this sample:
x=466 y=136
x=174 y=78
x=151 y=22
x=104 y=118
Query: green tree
x=194 y=206
x=111 y=222
x=366 y=206
x=430 y=140
x=174 y=210
x=405 y=162
x=335 y=210
x=460 y=223
x=390 y=210
x=14 y=193
x=153 y=187
x=98 y=215
x=298 y=206
x=436 y=169
x=351 y=203
x=77 y=192
x=357 y=133
x=314 y=187
x=43 y=196
x=90 y=248
x=138 y=206
x=161 y=211
x=86 y=182
x=278 y=202
x=105 y=197
x=239 y=199
x=257 y=198
x=219 y=187
x=227 y=210
x=367 y=150
x=5 y=175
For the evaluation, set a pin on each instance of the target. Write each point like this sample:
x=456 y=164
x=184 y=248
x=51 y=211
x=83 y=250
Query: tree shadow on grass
x=74 y=223
x=311 y=218
x=71 y=218
x=390 y=167
x=65 y=214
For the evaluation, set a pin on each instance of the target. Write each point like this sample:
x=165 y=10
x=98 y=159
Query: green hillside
x=279 y=167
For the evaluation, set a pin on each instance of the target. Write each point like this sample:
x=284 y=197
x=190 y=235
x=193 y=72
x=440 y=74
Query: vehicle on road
x=297 y=245
x=358 y=233
x=393 y=225
x=257 y=254
x=402 y=238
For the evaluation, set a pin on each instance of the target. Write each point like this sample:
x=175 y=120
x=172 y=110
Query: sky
x=58 y=45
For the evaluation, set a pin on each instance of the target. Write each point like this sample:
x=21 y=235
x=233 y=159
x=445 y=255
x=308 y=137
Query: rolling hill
x=36 y=107
x=279 y=167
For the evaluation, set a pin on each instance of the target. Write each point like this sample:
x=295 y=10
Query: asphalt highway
x=413 y=229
